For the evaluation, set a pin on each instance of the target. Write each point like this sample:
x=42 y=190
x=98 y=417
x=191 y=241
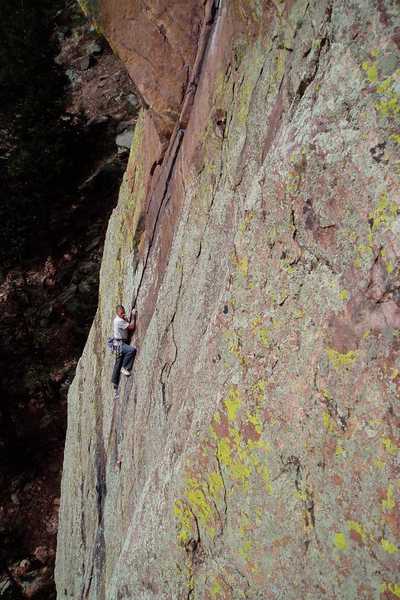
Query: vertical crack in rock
x=101 y=490
x=99 y=550
x=223 y=484
x=210 y=11
x=293 y=223
x=308 y=78
x=169 y=168
x=176 y=141
x=192 y=547
x=333 y=410
x=291 y=461
x=309 y=515
x=274 y=122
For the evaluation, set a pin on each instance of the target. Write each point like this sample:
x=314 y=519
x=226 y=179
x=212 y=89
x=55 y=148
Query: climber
x=124 y=353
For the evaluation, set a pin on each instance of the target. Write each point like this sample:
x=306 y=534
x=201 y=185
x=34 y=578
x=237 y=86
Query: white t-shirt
x=120 y=329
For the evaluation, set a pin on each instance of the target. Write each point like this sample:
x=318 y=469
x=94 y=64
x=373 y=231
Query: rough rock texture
x=157 y=41
x=254 y=452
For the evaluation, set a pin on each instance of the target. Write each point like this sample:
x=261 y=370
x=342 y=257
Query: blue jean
x=123 y=360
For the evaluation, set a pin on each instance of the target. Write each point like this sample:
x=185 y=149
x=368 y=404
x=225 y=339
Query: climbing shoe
x=125 y=372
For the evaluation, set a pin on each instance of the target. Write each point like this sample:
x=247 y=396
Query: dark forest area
x=38 y=139
x=59 y=180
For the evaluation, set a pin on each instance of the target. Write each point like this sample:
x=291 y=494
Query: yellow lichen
x=215 y=484
x=245 y=224
x=354 y=526
x=232 y=403
x=183 y=515
x=339 y=449
x=235 y=347
x=342 y=360
x=200 y=502
x=385 y=212
x=389 y=547
x=371 y=72
x=389 y=502
x=389 y=446
x=261 y=333
x=242 y=264
x=340 y=541
x=395 y=589
x=216 y=589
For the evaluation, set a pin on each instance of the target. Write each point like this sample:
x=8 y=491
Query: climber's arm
x=132 y=323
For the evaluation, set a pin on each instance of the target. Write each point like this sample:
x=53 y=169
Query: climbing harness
x=115 y=346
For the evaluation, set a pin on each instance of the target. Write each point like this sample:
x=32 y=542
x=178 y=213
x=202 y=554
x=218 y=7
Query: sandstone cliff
x=254 y=452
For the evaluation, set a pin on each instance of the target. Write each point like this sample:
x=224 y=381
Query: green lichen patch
x=340 y=541
x=370 y=71
x=342 y=361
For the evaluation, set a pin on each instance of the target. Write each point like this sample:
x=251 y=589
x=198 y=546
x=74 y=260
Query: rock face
x=254 y=452
x=157 y=41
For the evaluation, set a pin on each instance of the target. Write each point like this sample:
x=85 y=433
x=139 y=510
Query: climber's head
x=120 y=311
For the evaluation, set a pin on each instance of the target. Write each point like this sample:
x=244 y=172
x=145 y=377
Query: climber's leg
x=129 y=354
x=117 y=370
